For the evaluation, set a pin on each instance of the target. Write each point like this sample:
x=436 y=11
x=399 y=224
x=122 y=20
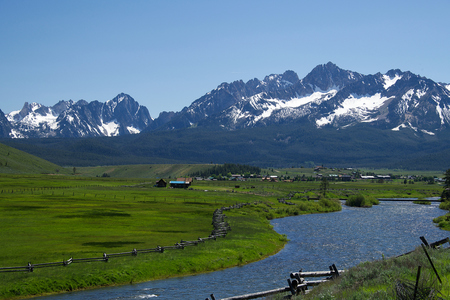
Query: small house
x=161 y=183
x=345 y=177
x=182 y=183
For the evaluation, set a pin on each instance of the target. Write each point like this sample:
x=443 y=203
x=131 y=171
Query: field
x=51 y=218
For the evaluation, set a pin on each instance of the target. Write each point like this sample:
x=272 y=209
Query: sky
x=166 y=54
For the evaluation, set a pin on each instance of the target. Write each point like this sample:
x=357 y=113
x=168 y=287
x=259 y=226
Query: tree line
x=227 y=170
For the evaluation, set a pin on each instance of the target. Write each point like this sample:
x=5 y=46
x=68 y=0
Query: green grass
x=47 y=218
x=251 y=239
x=13 y=161
x=378 y=279
x=144 y=170
x=52 y=218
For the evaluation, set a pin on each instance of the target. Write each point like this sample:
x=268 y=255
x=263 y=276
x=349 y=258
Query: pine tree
x=445 y=196
x=324 y=185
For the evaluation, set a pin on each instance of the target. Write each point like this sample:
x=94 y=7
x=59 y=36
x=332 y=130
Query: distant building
x=181 y=183
x=367 y=177
x=345 y=177
x=161 y=183
x=271 y=178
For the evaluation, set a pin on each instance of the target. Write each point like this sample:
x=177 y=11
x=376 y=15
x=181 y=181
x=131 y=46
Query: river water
x=343 y=238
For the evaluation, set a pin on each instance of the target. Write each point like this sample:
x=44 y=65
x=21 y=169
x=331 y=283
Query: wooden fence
x=298 y=284
x=220 y=229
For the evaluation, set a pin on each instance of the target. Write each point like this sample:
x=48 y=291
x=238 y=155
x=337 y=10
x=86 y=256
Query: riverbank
x=127 y=214
x=378 y=279
x=387 y=278
x=250 y=239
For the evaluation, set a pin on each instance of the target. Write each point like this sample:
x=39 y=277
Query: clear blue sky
x=166 y=54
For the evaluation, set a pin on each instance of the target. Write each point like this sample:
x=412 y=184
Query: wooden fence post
x=424 y=240
x=335 y=271
x=431 y=262
x=417 y=282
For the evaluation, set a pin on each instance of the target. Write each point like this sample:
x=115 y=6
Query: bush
x=359 y=201
x=445 y=205
x=330 y=204
x=372 y=200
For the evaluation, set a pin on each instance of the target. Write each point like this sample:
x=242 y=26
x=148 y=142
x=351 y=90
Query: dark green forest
x=222 y=170
x=292 y=145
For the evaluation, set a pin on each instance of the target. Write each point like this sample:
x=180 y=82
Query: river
x=343 y=238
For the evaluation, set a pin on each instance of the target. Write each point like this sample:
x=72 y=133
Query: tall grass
x=378 y=279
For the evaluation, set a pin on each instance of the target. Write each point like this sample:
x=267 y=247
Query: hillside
x=289 y=145
x=14 y=161
x=332 y=116
x=143 y=171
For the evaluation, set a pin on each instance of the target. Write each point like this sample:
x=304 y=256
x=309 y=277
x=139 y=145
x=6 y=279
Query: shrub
x=372 y=200
x=358 y=201
x=330 y=204
x=445 y=205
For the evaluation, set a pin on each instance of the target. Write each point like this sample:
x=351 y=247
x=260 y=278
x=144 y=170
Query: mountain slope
x=15 y=161
x=330 y=97
x=119 y=116
x=326 y=97
x=287 y=145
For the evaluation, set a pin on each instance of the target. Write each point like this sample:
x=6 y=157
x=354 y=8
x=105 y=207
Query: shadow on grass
x=114 y=244
x=97 y=213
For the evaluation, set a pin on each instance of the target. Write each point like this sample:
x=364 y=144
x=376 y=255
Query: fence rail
x=220 y=229
x=298 y=284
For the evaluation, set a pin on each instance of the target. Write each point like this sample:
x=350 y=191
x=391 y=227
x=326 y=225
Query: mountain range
x=119 y=116
x=327 y=97
x=331 y=116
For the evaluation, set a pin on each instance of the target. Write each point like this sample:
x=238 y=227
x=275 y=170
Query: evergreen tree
x=445 y=196
x=324 y=185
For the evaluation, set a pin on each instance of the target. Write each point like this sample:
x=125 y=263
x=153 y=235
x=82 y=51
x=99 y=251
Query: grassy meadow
x=50 y=218
x=78 y=213
x=13 y=161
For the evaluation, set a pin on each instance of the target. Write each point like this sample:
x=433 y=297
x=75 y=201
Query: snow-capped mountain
x=119 y=116
x=327 y=96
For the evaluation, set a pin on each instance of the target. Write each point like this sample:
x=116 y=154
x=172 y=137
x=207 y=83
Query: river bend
x=344 y=238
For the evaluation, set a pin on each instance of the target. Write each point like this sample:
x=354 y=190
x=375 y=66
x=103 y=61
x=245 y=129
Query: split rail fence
x=220 y=229
x=298 y=285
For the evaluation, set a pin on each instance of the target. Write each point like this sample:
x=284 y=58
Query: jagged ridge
x=119 y=116
x=327 y=97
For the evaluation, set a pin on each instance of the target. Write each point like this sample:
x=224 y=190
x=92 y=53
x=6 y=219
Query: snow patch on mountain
x=113 y=104
x=444 y=113
x=408 y=95
x=110 y=128
x=421 y=93
x=358 y=106
x=316 y=97
x=268 y=107
x=410 y=126
x=16 y=134
x=427 y=132
x=390 y=81
x=133 y=130
x=35 y=118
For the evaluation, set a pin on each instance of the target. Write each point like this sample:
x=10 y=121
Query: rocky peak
x=330 y=76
